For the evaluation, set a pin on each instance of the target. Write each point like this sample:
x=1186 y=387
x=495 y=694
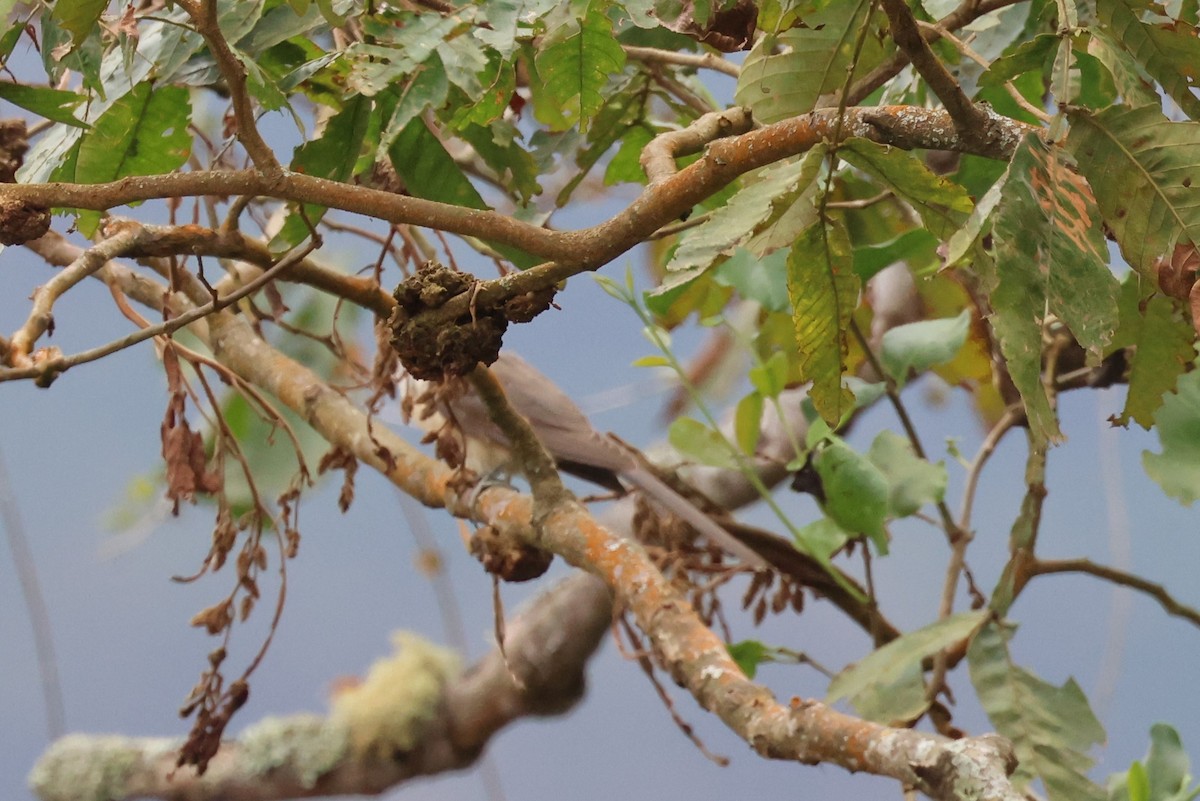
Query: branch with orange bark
x=803 y=731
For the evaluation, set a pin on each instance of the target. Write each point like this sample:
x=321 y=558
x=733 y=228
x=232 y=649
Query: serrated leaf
x=785 y=73
x=823 y=290
x=912 y=481
x=943 y=205
x=143 y=133
x=916 y=347
x=574 y=63
x=1050 y=727
x=889 y=664
x=1141 y=168
x=856 y=491
x=1177 y=468
x=1164 y=340
x=766 y=197
x=747 y=422
x=1051 y=257
x=1169 y=53
x=53 y=104
x=698 y=442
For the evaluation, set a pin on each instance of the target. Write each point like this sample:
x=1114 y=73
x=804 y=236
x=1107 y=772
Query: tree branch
x=970 y=121
x=204 y=15
x=1045 y=567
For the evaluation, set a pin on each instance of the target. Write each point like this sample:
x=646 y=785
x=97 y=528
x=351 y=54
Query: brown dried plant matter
x=432 y=349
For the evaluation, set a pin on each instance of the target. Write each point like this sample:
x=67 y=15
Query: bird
x=567 y=434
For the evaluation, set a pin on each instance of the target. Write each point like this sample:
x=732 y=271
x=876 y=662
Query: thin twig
x=41 y=314
x=966 y=50
x=653 y=55
x=204 y=15
x=1156 y=591
x=50 y=368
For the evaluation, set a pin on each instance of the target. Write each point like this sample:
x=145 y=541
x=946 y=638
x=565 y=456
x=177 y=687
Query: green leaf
x=331 y=155
x=1051 y=728
x=894 y=703
x=916 y=347
x=747 y=422
x=428 y=171
x=428 y=89
x=78 y=17
x=1161 y=776
x=749 y=654
x=914 y=246
x=770 y=378
x=574 y=63
x=821 y=539
x=1128 y=79
x=1169 y=53
x=1141 y=167
x=1167 y=765
x=698 y=442
x=1177 y=468
x=891 y=663
x=1164 y=341
x=781 y=190
x=823 y=290
x=785 y=73
x=496 y=144
x=1034 y=55
x=942 y=204
x=762 y=279
x=143 y=133
x=912 y=481
x=53 y=104
x=1051 y=256
x=856 y=491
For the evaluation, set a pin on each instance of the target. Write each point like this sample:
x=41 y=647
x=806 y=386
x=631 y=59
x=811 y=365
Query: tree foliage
x=996 y=192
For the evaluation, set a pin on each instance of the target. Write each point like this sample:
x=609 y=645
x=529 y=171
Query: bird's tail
x=662 y=494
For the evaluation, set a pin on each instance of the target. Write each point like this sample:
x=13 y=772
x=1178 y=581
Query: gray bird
x=567 y=434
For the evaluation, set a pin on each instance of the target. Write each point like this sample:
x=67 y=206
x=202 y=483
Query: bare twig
x=204 y=15
x=653 y=55
x=1045 y=567
x=966 y=50
x=41 y=316
x=46 y=370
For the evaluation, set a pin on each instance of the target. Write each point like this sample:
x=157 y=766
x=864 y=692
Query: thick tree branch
x=970 y=121
x=803 y=731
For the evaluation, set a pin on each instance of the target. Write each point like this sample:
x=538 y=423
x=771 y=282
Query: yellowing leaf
x=824 y=292
x=1142 y=168
x=1050 y=258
